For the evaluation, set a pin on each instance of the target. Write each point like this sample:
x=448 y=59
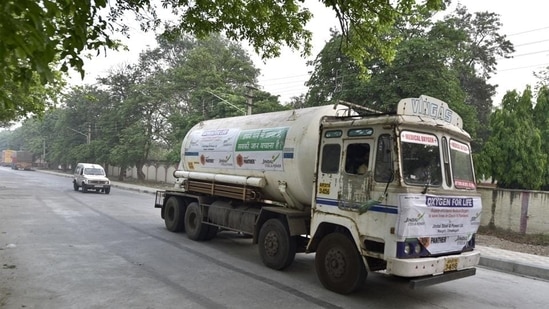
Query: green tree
x=513 y=153
x=541 y=111
x=40 y=37
x=476 y=44
x=451 y=59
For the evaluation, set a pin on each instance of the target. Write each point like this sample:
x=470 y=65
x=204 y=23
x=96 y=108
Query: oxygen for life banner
x=442 y=223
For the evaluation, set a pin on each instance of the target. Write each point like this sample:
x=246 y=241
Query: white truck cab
x=91 y=176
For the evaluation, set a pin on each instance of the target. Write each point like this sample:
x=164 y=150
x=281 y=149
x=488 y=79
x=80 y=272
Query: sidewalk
x=493 y=258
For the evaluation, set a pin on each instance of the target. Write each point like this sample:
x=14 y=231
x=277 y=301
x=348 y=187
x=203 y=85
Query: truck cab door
x=355 y=173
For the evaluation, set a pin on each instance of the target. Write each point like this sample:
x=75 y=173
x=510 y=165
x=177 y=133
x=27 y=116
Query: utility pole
x=250 y=98
x=88 y=136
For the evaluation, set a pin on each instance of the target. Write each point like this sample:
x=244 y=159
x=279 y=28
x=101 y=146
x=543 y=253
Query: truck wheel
x=339 y=266
x=174 y=214
x=276 y=247
x=196 y=230
x=75 y=186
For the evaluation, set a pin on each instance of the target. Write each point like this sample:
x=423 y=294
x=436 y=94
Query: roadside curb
x=506 y=265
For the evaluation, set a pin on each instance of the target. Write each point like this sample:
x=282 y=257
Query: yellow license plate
x=451 y=264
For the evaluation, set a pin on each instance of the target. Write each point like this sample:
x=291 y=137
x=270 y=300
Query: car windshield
x=420 y=159
x=462 y=166
x=94 y=171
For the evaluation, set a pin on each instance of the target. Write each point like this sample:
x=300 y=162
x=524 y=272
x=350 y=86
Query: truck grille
x=98 y=182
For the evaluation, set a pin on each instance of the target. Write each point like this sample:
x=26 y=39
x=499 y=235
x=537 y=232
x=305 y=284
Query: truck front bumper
x=443 y=266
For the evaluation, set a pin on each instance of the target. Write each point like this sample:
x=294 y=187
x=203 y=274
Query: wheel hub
x=335 y=263
x=271 y=244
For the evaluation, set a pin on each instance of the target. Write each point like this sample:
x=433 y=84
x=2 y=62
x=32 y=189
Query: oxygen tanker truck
x=365 y=191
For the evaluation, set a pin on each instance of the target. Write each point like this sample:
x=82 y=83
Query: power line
x=528 y=31
x=531 y=43
x=524 y=67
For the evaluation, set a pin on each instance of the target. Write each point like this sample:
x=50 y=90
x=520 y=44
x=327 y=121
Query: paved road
x=66 y=249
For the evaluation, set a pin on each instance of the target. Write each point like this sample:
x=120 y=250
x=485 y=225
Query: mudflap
x=449 y=276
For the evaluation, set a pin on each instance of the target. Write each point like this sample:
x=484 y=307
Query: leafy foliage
x=40 y=38
x=451 y=59
x=513 y=153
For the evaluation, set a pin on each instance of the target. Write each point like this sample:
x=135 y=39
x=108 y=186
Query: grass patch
x=530 y=239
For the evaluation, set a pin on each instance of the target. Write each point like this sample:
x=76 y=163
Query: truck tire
x=276 y=247
x=339 y=266
x=174 y=214
x=194 y=227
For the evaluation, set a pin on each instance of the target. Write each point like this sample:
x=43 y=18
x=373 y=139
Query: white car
x=91 y=177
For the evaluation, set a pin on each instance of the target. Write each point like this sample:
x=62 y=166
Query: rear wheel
x=194 y=227
x=276 y=247
x=174 y=213
x=338 y=264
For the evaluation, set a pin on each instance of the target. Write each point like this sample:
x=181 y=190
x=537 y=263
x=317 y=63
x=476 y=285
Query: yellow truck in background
x=7 y=156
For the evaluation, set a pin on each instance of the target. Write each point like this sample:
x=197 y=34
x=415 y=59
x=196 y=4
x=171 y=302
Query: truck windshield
x=94 y=171
x=420 y=159
x=462 y=167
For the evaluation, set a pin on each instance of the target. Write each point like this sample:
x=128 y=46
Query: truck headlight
x=407 y=248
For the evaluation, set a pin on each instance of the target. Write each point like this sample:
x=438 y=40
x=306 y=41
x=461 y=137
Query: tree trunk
x=122 y=174
x=140 y=174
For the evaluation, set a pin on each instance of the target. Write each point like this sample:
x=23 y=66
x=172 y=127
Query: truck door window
x=462 y=166
x=357 y=159
x=330 y=158
x=384 y=159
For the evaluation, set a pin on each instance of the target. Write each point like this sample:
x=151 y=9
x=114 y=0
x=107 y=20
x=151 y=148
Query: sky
x=524 y=24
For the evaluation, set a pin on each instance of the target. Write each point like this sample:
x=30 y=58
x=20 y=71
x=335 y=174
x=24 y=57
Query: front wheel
x=339 y=266
x=107 y=190
x=84 y=188
x=75 y=186
x=276 y=247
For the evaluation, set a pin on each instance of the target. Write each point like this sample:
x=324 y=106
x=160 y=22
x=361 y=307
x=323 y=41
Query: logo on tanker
x=241 y=160
x=272 y=160
x=204 y=160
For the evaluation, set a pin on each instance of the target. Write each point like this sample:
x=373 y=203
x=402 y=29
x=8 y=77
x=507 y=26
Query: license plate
x=451 y=264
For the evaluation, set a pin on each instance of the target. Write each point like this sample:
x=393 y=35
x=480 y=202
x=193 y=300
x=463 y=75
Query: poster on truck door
x=444 y=223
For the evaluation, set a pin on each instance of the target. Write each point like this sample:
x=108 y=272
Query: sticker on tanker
x=261 y=149
x=212 y=140
x=446 y=220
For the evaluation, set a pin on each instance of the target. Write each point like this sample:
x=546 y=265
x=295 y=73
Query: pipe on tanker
x=231 y=179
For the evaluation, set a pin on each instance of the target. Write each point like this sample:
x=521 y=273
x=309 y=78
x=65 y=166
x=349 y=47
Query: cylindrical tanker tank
x=279 y=147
